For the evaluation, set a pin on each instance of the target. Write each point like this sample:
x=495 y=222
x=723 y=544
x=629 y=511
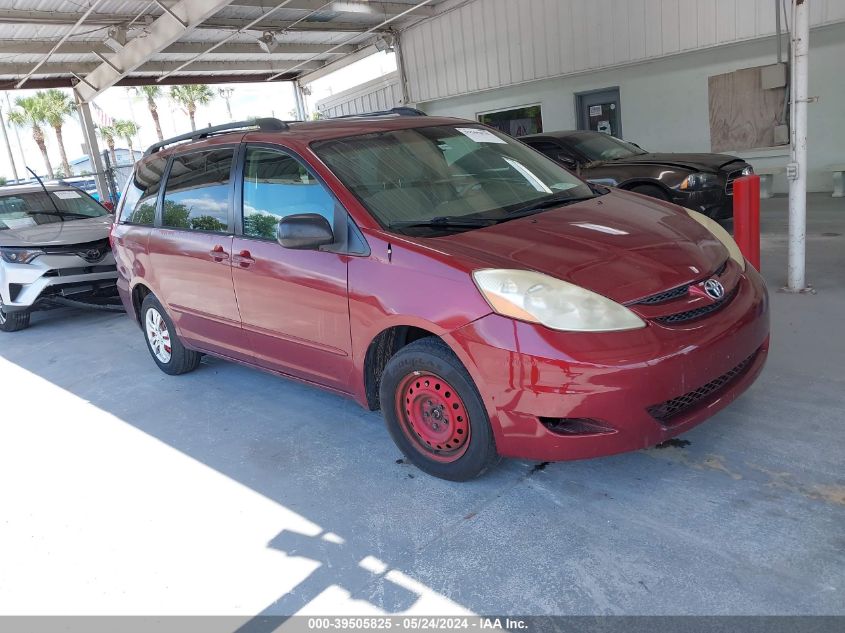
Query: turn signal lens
x=538 y=298
x=720 y=234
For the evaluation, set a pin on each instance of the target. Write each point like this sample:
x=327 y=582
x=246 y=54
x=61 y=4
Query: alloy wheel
x=158 y=335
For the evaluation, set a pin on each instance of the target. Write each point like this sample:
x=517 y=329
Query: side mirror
x=304 y=231
x=567 y=161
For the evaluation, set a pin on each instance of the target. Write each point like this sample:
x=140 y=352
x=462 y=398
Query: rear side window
x=277 y=185
x=139 y=200
x=196 y=196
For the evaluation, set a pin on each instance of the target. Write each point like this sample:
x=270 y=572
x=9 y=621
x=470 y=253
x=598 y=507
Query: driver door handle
x=244 y=258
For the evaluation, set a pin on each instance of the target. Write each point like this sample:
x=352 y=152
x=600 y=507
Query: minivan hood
x=695 y=162
x=76 y=231
x=620 y=245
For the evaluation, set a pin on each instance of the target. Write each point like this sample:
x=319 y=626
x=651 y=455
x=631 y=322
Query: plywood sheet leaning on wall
x=743 y=115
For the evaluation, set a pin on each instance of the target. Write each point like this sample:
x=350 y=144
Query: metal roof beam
x=83 y=68
x=376 y=9
x=58 y=18
x=40 y=47
x=182 y=18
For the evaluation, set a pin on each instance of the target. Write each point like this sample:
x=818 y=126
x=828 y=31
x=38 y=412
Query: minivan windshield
x=599 y=147
x=21 y=210
x=444 y=178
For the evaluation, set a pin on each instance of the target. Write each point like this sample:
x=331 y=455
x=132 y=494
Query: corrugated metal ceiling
x=29 y=28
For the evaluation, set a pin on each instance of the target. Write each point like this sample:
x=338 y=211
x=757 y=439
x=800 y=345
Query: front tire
x=168 y=352
x=13 y=321
x=434 y=412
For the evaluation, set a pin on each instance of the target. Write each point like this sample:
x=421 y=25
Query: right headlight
x=538 y=298
x=19 y=255
x=720 y=234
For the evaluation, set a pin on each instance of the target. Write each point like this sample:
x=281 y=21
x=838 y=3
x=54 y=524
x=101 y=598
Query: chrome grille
x=697 y=313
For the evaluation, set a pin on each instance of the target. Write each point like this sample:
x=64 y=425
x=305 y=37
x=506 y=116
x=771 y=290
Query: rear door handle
x=218 y=254
x=244 y=258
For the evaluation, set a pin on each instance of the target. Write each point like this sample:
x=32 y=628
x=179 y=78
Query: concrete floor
x=230 y=491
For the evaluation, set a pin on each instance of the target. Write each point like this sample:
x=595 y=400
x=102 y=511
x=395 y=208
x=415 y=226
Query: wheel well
x=633 y=184
x=381 y=350
x=139 y=293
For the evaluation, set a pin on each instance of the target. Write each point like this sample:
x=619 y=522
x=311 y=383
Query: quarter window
x=139 y=201
x=277 y=185
x=197 y=193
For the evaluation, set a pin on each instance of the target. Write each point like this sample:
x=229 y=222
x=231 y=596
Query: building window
x=516 y=122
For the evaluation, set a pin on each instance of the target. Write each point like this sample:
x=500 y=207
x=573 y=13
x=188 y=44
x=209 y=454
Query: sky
x=248 y=100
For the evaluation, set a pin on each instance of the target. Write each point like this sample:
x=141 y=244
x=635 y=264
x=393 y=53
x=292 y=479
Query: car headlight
x=19 y=255
x=720 y=234
x=697 y=181
x=538 y=298
x=747 y=170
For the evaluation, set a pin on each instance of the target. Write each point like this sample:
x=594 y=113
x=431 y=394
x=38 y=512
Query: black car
x=701 y=182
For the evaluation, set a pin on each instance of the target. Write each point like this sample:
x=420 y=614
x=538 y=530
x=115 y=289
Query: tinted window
x=138 y=205
x=552 y=150
x=197 y=193
x=598 y=146
x=23 y=210
x=277 y=185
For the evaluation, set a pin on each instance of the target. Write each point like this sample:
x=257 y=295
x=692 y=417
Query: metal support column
x=89 y=132
x=8 y=145
x=797 y=171
x=300 y=102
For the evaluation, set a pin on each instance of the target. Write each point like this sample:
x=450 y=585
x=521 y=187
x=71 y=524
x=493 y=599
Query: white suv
x=54 y=245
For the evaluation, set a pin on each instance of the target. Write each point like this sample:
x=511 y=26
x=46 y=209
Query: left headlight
x=538 y=298
x=720 y=234
x=697 y=181
x=19 y=255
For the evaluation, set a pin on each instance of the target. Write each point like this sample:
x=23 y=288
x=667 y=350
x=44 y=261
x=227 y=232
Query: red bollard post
x=747 y=217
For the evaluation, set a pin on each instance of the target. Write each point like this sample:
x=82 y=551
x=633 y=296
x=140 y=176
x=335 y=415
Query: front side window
x=22 y=210
x=138 y=205
x=277 y=185
x=447 y=174
x=197 y=193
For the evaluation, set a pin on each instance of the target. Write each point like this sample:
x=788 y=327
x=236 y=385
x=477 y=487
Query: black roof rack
x=401 y=111
x=263 y=124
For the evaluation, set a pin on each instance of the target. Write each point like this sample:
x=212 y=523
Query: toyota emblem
x=714 y=289
x=92 y=255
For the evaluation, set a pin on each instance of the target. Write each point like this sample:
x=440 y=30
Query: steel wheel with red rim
x=433 y=416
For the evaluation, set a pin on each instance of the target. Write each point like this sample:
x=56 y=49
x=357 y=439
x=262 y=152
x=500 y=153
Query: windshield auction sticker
x=66 y=194
x=480 y=136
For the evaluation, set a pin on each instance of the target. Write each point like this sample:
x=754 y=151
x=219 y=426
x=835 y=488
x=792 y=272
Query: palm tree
x=31 y=112
x=150 y=93
x=58 y=106
x=190 y=96
x=108 y=134
x=127 y=129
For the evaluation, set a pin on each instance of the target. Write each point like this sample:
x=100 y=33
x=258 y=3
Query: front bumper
x=23 y=286
x=529 y=375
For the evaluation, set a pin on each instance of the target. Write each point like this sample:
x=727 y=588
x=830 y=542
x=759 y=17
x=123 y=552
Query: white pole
x=796 y=273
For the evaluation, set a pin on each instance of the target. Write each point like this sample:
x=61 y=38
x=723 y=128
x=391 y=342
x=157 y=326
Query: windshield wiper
x=554 y=200
x=59 y=213
x=444 y=222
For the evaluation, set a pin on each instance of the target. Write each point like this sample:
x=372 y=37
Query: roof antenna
x=46 y=193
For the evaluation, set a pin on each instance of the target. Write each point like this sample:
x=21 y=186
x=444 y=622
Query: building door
x=600 y=111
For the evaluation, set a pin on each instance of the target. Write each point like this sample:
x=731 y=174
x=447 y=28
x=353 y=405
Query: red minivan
x=488 y=301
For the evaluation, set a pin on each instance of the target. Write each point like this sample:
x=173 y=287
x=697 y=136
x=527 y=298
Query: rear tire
x=652 y=191
x=168 y=352
x=13 y=321
x=434 y=412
